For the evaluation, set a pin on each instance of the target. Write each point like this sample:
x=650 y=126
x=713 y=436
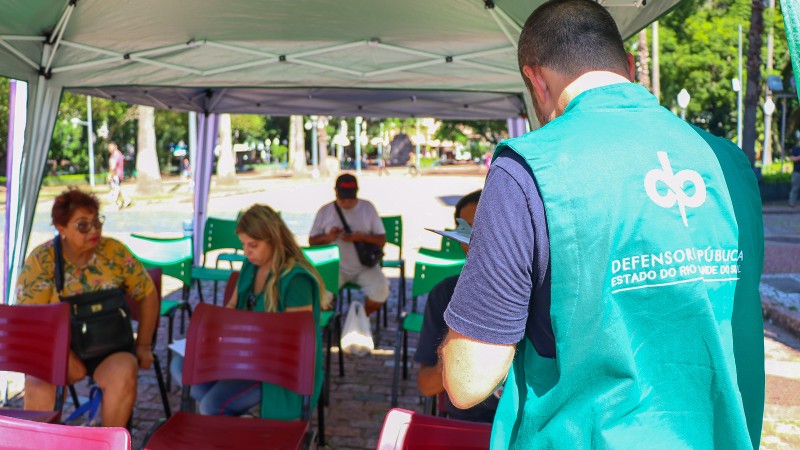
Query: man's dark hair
x=571 y=37
x=472 y=197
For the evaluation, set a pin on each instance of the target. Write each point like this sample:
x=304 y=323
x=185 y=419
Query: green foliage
x=698 y=52
x=777 y=178
x=279 y=152
x=172 y=127
x=65 y=180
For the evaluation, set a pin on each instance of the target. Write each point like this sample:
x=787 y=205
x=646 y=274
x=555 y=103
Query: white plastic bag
x=356 y=333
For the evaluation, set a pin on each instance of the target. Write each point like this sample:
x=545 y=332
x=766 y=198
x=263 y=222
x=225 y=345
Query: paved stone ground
x=360 y=400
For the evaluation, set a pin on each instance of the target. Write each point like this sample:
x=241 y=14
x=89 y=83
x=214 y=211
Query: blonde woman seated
x=276 y=277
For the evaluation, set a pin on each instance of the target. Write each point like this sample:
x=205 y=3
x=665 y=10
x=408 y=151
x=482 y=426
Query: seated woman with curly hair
x=91 y=263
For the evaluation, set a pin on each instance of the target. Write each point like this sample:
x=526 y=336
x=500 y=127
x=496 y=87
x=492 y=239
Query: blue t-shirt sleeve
x=434 y=327
x=491 y=300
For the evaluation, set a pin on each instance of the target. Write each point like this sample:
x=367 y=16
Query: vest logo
x=676 y=184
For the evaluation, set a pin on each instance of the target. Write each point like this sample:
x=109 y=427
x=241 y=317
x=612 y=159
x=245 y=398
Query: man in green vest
x=612 y=278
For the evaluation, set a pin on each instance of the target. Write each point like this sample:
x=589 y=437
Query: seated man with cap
x=365 y=226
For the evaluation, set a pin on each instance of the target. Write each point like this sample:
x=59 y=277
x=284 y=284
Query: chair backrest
x=430 y=270
x=394 y=231
x=406 y=430
x=172 y=255
x=26 y=434
x=35 y=340
x=452 y=248
x=220 y=234
x=233 y=280
x=325 y=258
x=228 y=344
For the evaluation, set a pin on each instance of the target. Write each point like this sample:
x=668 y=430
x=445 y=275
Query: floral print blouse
x=111 y=266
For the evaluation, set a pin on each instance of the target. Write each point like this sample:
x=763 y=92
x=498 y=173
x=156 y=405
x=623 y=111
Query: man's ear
x=631 y=67
x=539 y=88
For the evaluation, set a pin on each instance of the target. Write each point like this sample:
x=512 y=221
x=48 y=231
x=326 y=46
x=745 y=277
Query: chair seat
x=413 y=322
x=210 y=274
x=186 y=430
x=33 y=416
x=392 y=262
x=325 y=318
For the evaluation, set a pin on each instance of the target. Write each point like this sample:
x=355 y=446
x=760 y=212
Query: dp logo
x=675 y=183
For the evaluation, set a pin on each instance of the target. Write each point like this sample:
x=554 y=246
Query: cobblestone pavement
x=360 y=399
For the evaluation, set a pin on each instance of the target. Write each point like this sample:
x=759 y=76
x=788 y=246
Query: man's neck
x=583 y=83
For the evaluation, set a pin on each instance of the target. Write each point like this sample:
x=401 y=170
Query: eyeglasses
x=85 y=226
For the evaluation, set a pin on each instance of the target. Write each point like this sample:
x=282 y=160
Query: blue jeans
x=221 y=398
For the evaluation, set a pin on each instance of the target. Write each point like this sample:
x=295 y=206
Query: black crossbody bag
x=100 y=321
x=369 y=255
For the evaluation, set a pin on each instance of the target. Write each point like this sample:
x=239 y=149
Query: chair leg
x=215 y=293
x=200 y=291
x=161 y=387
x=385 y=309
x=74 y=395
x=339 y=344
x=170 y=326
x=405 y=354
x=396 y=369
x=321 y=423
x=327 y=389
x=401 y=302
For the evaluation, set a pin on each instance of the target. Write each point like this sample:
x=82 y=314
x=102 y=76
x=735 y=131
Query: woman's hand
x=76 y=369
x=144 y=353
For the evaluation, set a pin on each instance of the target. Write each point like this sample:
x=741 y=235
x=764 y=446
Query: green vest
x=276 y=402
x=655 y=305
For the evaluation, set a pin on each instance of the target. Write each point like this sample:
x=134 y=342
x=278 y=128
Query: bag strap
x=341 y=216
x=59 y=261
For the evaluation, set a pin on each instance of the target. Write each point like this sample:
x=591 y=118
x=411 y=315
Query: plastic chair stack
x=227 y=344
x=34 y=340
x=217 y=234
x=428 y=272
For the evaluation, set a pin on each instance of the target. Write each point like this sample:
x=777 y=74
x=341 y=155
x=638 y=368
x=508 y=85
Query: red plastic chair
x=24 y=434
x=407 y=430
x=34 y=340
x=227 y=344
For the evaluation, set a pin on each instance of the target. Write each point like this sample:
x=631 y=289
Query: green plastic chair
x=174 y=257
x=428 y=272
x=217 y=234
x=394 y=236
x=325 y=258
x=452 y=248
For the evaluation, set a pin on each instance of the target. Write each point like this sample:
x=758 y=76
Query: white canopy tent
x=374 y=58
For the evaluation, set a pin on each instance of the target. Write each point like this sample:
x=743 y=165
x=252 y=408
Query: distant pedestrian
x=116 y=173
x=795 y=192
x=412 y=164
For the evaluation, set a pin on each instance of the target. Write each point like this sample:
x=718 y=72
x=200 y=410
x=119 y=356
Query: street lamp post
x=312 y=125
x=766 y=154
x=358 y=144
x=88 y=124
x=683 y=102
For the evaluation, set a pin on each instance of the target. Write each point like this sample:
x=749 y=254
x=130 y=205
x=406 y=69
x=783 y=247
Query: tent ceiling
x=282 y=45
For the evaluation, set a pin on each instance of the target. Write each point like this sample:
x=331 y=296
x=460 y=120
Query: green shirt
x=656 y=247
x=297 y=288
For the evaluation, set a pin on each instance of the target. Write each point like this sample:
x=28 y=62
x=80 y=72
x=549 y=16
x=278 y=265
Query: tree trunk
x=148 y=174
x=322 y=142
x=297 y=146
x=753 y=92
x=226 y=163
x=656 y=72
x=644 y=60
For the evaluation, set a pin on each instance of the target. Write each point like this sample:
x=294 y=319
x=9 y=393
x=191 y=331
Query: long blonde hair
x=262 y=223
